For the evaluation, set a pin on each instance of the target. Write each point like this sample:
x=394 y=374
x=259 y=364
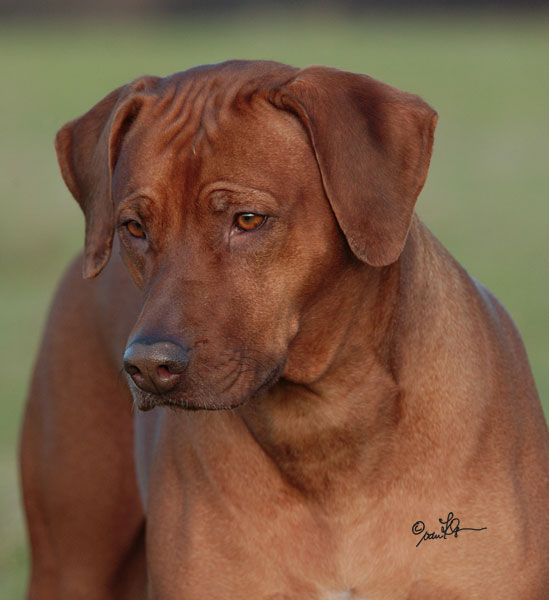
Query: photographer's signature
x=449 y=527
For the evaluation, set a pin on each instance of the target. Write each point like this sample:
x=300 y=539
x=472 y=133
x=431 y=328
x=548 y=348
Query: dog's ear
x=373 y=145
x=87 y=149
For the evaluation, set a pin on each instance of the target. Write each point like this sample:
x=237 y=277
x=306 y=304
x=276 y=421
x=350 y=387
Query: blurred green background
x=486 y=196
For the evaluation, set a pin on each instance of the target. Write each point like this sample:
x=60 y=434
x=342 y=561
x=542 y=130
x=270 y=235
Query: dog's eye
x=249 y=221
x=136 y=229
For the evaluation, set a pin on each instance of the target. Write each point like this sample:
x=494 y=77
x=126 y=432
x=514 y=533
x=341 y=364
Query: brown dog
x=385 y=439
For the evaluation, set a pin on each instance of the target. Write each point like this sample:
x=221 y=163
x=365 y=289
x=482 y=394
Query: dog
x=352 y=415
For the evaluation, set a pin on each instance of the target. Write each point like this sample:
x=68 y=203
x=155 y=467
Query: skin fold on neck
x=325 y=433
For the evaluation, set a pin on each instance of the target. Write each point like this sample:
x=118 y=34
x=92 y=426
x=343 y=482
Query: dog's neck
x=335 y=431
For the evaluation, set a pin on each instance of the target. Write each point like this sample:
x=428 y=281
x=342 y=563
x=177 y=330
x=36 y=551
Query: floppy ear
x=373 y=145
x=87 y=149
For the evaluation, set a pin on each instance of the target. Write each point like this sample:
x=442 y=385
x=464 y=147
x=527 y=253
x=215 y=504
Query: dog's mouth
x=197 y=397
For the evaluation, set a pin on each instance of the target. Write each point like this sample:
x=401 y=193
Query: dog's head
x=246 y=196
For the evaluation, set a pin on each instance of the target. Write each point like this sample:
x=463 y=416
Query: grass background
x=486 y=196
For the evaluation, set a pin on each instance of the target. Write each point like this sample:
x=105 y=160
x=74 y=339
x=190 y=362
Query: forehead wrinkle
x=188 y=116
x=209 y=118
x=203 y=110
x=192 y=106
x=216 y=100
x=168 y=99
x=190 y=109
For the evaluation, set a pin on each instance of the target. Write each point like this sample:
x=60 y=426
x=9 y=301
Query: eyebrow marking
x=220 y=200
x=223 y=195
x=136 y=202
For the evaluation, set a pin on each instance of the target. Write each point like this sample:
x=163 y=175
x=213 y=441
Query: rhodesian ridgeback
x=352 y=415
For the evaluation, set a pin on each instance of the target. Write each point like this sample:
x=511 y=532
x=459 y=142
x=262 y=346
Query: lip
x=145 y=401
x=271 y=379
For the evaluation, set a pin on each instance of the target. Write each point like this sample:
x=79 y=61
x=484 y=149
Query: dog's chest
x=348 y=594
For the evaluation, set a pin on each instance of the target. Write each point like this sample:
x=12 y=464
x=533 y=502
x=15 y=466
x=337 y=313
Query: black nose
x=155 y=367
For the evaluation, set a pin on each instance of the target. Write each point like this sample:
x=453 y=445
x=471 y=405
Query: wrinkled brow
x=137 y=202
x=231 y=194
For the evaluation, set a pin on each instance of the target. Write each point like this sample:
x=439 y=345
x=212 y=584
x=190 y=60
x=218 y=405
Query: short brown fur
x=368 y=382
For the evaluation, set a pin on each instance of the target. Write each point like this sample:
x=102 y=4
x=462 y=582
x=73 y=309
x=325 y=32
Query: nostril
x=163 y=372
x=132 y=370
x=138 y=377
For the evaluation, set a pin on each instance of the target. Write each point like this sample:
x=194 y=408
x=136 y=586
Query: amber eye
x=135 y=229
x=249 y=221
